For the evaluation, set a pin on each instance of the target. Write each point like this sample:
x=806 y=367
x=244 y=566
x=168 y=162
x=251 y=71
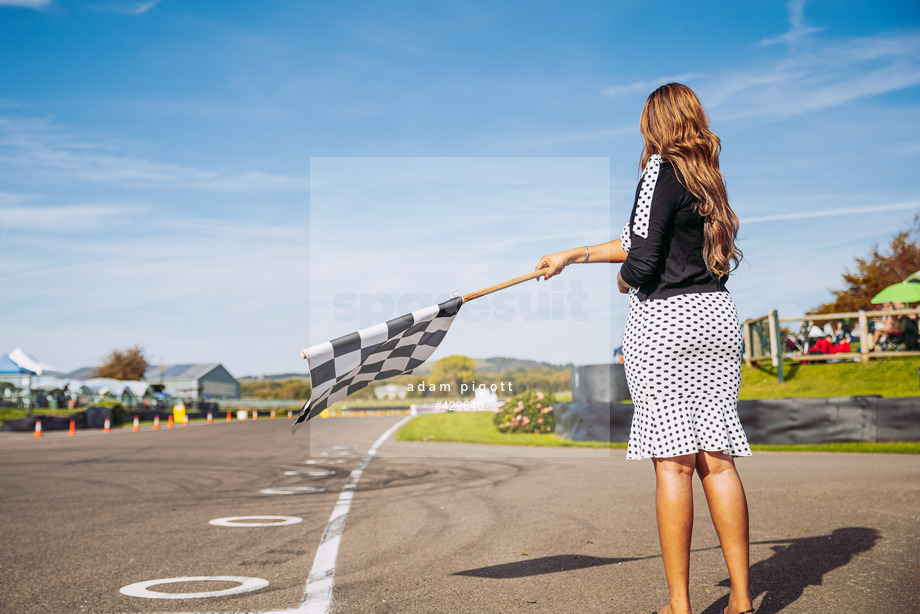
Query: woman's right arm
x=610 y=251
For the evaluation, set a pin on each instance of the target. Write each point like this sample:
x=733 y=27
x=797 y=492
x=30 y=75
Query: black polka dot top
x=664 y=238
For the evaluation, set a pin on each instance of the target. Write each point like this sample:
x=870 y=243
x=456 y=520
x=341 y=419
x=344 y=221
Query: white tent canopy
x=96 y=389
x=30 y=363
x=102 y=385
x=55 y=383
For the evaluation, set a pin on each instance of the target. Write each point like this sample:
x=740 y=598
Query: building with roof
x=82 y=374
x=198 y=382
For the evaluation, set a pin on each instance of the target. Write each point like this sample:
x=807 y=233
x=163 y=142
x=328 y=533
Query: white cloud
x=545 y=139
x=9 y=198
x=40 y=147
x=646 y=87
x=72 y=218
x=798 y=28
x=832 y=212
x=186 y=290
x=823 y=75
x=28 y=4
x=826 y=77
x=125 y=7
x=192 y=270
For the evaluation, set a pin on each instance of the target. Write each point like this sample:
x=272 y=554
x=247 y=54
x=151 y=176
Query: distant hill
x=496 y=364
x=500 y=364
x=273 y=378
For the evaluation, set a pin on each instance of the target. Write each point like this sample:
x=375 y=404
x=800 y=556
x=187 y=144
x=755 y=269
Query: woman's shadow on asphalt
x=544 y=565
x=795 y=565
x=799 y=563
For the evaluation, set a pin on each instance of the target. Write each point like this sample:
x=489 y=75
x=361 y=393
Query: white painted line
x=318 y=594
x=292 y=490
x=311 y=461
x=246 y=585
x=335 y=453
x=254 y=521
x=314 y=473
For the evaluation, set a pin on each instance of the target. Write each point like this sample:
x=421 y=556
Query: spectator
x=822 y=345
x=905 y=329
x=884 y=325
x=840 y=332
x=814 y=333
x=841 y=347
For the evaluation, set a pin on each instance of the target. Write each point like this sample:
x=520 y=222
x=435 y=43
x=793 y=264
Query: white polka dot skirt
x=683 y=367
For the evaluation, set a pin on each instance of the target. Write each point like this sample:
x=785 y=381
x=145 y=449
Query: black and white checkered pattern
x=345 y=365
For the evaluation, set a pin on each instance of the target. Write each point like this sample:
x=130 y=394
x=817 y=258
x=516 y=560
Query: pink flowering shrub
x=528 y=412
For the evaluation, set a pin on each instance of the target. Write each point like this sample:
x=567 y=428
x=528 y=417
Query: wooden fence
x=766 y=338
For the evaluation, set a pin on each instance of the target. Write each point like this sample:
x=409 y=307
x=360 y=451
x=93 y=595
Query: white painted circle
x=255 y=521
x=313 y=473
x=140 y=589
x=292 y=490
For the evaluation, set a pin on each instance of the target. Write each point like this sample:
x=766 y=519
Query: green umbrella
x=907 y=291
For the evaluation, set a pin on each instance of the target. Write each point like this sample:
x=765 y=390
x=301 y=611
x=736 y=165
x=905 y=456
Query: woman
x=884 y=326
x=682 y=344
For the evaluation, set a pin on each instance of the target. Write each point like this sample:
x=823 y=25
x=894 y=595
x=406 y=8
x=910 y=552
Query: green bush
x=528 y=412
x=119 y=413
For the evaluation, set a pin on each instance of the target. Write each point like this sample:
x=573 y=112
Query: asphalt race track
x=430 y=528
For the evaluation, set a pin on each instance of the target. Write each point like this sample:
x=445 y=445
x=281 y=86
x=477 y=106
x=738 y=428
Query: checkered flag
x=345 y=365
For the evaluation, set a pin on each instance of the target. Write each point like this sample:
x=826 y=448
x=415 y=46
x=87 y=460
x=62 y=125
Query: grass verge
x=888 y=377
x=7 y=413
x=477 y=427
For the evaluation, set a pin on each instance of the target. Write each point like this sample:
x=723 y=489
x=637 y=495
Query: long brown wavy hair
x=675 y=126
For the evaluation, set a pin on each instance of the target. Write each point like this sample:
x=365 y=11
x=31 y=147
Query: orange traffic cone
x=156 y=423
x=137 y=424
x=107 y=427
x=290 y=414
x=169 y=422
x=229 y=418
x=210 y=418
x=255 y=414
x=38 y=429
x=73 y=427
x=272 y=415
x=185 y=420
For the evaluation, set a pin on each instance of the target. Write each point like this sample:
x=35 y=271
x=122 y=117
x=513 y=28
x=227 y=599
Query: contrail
x=830 y=212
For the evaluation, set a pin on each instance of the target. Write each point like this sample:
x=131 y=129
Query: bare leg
x=728 y=508
x=674 y=511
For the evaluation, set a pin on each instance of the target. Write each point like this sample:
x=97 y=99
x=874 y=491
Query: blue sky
x=232 y=181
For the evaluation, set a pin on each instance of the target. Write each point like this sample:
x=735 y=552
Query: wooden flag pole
x=503 y=285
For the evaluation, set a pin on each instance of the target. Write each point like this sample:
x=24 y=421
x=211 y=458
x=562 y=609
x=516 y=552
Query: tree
x=539 y=378
x=453 y=371
x=877 y=271
x=127 y=365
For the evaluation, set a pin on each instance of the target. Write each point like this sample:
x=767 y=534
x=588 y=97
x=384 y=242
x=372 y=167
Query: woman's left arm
x=611 y=251
x=650 y=228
